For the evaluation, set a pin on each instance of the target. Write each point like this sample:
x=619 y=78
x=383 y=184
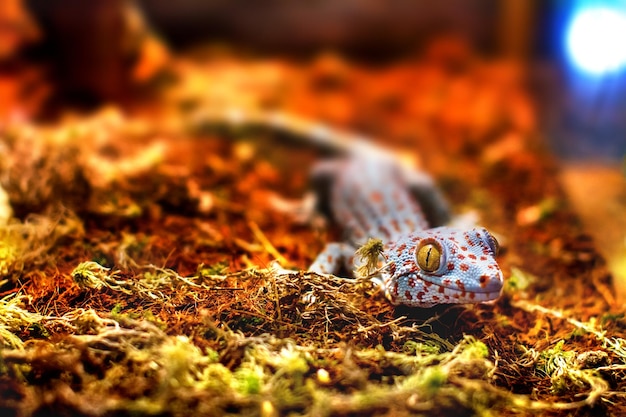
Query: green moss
x=181 y=360
x=433 y=379
x=207 y=271
x=91 y=275
x=37 y=330
x=291 y=362
x=611 y=317
x=249 y=379
x=211 y=355
x=13 y=319
x=8 y=257
x=411 y=347
x=470 y=348
x=518 y=281
x=562 y=367
x=217 y=378
x=370 y=254
x=426 y=381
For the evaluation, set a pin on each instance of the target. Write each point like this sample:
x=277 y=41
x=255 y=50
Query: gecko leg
x=329 y=261
x=334 y=255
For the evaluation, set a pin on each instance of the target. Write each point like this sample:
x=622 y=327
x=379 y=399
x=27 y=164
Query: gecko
x=369 y=193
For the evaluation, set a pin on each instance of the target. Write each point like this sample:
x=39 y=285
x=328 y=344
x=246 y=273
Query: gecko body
x=370 y=194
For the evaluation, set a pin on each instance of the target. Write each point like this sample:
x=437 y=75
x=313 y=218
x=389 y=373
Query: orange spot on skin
x=464 y=248
x=408 y=295
x=411 y=282
x=472 y=256
x=450 y=266
x=464 y=267
x=483 y=258
x=483 y=280
x=460 y=285
x=420 y=295
x=376 y=197
x=441 y=290
x=461 y=257
x=472 y=295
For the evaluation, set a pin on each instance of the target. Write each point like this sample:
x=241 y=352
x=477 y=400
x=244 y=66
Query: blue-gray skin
x=371 y=196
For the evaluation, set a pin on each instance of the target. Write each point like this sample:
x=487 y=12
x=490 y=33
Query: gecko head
x=443 y=265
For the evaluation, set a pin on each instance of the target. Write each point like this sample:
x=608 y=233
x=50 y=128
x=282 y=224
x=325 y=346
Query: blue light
x=596 y=40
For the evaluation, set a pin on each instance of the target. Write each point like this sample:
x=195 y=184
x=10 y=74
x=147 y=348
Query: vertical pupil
x=429 y=257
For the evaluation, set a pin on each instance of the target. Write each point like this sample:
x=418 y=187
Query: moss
x=180 y=361
x=418 y=348
x=249 y=379
x=518 y=281
x=370 y=253
x=8 y=257
x=470 y=348
x=208 y=271
x=124 y=335
x=91 y=275
x=14 y=319
x=427 y=381
x=216 y=378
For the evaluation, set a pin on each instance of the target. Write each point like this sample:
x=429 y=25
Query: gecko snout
x=491 y=283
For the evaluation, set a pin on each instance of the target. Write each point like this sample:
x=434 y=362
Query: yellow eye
x=429 y=256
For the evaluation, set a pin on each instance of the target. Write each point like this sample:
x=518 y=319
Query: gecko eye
x=429 y=255
x=493 y=244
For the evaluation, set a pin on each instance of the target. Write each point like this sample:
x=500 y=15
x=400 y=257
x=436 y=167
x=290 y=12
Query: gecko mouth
x=487 y=284
x=448 y=294
x=473 y=296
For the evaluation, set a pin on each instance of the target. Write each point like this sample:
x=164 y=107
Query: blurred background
x=456 y=74
x=70 y=52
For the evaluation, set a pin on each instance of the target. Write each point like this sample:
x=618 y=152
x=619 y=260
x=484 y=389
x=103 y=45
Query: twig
x=267 y=245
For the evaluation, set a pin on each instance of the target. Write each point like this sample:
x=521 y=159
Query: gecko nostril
x=483 y=280
x=490 y=283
